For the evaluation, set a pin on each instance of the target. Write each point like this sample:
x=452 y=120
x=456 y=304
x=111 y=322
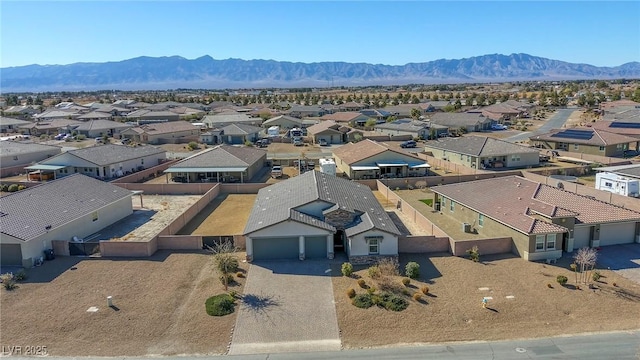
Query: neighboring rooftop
x=103 y=155
x=353 y=152
x=240 y=129
x=17 y=148
x=30 y=213
x=479 y=146
x=222 y=156
x=588 y=136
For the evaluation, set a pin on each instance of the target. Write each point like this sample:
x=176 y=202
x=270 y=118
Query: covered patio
x=389 y=170
x=207 y=174
x=43 y=172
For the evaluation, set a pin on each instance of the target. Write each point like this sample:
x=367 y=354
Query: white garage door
x=620 y=233
x=581 y=236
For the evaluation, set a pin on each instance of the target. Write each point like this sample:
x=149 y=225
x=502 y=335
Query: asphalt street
x=556 y=122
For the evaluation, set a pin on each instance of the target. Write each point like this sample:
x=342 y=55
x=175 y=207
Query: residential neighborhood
x=445 y=220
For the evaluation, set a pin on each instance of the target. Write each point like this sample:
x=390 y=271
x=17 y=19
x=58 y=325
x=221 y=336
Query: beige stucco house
x=585 y=140
x=172 y=132
x=75 y=206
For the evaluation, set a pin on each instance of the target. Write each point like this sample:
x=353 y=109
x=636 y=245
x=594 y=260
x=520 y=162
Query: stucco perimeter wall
x=141 y=175
x=411 y=212
x=13 y=170
x=449 y=166
x=246 y=188
x=128 y=248
x=169 y=189
x=179 y=242
x=422 y=244
x=485 y=246
x=191 y=212
x=606 y=196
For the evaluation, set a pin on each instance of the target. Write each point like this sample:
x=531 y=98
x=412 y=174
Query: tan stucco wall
x=422 y=244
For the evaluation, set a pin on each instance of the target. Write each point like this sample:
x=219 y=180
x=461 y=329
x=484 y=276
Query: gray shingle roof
x=103 y=155
x=479 y=146
x=223 y=156
x=456 y=119
x=30 y=211
x=275 y=203
x=240 y=129
x=17 y=148
x=101 y=125
x=404 y=125
x=5 y=121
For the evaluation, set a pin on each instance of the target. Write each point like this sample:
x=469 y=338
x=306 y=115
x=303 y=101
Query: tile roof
x=17 y=148
x=621 y=127
x=479 y=146
x=322 y=126
x=227 y=118
x=27 y=213
x=240 y=129
x=588 y=136
x=282 y=117
x=101 y=124
x=108 y=154
x=165 y=127
x=222 y=156
x=353 y=152
x=283 y=201
x=514 y=201
x=456 y=119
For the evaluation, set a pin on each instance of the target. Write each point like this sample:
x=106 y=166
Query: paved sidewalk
x=287 y=307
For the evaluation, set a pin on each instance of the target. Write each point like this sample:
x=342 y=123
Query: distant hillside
x=148 y=73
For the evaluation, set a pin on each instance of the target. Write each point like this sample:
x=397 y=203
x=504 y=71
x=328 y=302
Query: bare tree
x=225 y=259
x=586 y=258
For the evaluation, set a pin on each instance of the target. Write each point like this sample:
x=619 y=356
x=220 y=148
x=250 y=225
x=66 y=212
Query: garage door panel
x=315 y=247
x=619 y=233
x=10 y=254
x=275 y=248
x=581 y=236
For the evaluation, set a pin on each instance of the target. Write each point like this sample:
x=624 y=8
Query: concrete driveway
x=624 y=259
x=555 y=122
x=287 y=307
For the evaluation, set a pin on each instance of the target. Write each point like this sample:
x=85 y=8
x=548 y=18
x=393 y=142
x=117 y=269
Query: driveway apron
x=287 y=306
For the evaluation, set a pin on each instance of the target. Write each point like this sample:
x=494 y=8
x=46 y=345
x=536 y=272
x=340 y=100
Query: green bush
x=412 y=269
x=362 y=301
x=21 y=187
x=374 y=272
x=474 y=254
x=347 y=269
x=13 y=188
x=220 y=305
x=561 y=279
x=81 y=137
x=393 y=302
x=226 y=279
x=193 y=145
x=596 y=276
x=406 y=281
x=4 y=187
x=406 y=292
x=362 y=283
x=21 y=275
x=44 y=137
x=8 y=281
x=371 y=290
x=351 y=293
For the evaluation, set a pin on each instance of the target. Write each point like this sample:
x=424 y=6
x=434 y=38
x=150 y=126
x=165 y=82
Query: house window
x=515 y=157
x=374 y=244
x=575 y=146
x=15 y=158
x=94 y=216
x=452 y=205
x=540 y=242
x=601 y=148
x=142 y=161
x=551 y=241
x=480 y=220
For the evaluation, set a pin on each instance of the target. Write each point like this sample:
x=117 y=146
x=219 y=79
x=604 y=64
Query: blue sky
x=379 y=32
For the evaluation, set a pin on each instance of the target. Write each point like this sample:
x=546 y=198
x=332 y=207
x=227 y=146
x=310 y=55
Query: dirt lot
x=225 y=215
x=453 y=310
x=159 y=307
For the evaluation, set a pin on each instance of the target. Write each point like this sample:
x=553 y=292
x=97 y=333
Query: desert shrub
x=21 y=275
x=371 y=290
x=351 y=293
x=388 y=283
x=227 y=263
x=474 y=254
x=8 y=281
x=220 y=305
x=234 y=294
x=412 y=269
x=388 y=267
x=561 y=279
x=417 y=296
x=362 y=301
x=44 y=137
x=362 y=283
x=374 y=272
x=347 y=269
x=406 y=281
x=614 y=285
x=226 y=279
x=12 y=188
x=4 y=187
x=21 y=187
x=239 y=274
x=425 y=289
x=193 y=145
x=393 y=302
x=405 y=292
x=550 y=286
x=81 y=137
x=596 y=275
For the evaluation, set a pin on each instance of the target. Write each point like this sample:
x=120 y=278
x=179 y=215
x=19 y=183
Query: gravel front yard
x=160 y=307
x=453 y=310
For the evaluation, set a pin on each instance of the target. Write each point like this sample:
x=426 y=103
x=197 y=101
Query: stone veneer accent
x=370 y=259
